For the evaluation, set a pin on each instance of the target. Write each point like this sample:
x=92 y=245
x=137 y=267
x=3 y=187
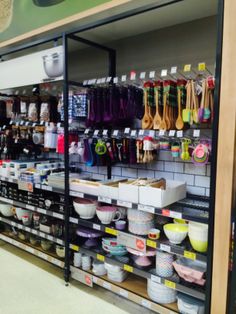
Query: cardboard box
x=84 y=186
x=129 y=192
x=110 y=189
x=150 y=195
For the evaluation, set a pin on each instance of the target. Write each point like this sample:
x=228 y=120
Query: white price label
x=127 y=130
x=133 y=76
x=115 y=80
x=42 y=211
x=56 y=215
x=196 y=133
x=50 y=237
x=141 y=132
x=133 y=133
x=142 y=75
x=34 y=124
x=179 y=133
x=123 y=78
x=49 y=188
x=42 y=255
x=124 y=204
x=104 y=199
x=95 y=279
x=98 y=81
x=34 y=231
x=30 y=250
x=29 y=207
x=173 y=70
x=161 y=132
x=96 y=227
x=145 y=208
x=175 y=214
x=146 y=303
x=13 y=224
x=42 y=123
x=41 y=234
x=86 y=131
x=124 y=293
x=172 y=133
x=104 y=132
x=164 y=72
x=165 y=248
x=77 y=194
x=74 y=220
x=106 y=285
x=155 y=278
x=60 y=242
x=37 y=186
x=152 y=133
x=19 y=226
x=85 y=82
x=108 y=79
x=103 y=80
x=10 y=180
x=152 y=74
x=27 y=123
x=96 y=132
x=115 y=133
x=22 y=123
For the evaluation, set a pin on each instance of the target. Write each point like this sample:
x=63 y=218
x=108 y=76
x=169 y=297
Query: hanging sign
x=43 y=66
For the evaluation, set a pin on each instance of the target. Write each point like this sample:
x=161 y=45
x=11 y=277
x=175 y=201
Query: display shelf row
x=133 y=289
x=32 y=208
x=195 y=292
x=194 y=208
x=163 y=245
x=33 y=231
x=32 y=250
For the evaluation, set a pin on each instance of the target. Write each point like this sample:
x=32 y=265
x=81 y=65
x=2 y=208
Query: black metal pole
x=214 y=154
x=111 y=73
x=66 y=160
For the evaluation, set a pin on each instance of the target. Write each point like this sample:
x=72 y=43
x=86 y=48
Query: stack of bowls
x=160 y=293
x=140 y=222
x=198 y=236
x=77 y=259
x=6 y=210
x=115 y=273
x=187 y=304
x=111 y=246
x=164 y=264
x=86 y=262
x=99 y=268
x=191 y=271
x=86 y=209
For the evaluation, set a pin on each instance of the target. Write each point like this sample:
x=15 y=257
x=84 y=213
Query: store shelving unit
x=194 y=208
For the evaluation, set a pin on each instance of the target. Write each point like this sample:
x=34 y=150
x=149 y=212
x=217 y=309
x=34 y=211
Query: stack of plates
x=111 y=246
x=160 y=293
x=140 y=222
x=115 y=273
x=99 y=268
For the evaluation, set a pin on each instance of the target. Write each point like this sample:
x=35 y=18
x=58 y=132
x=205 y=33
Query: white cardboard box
x=129 y=192
x=149 y=195
x=84 y=186
x=110 y=189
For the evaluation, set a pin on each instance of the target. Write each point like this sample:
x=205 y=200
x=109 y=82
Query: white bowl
x=140 y=228
x=60 y=250
x=6 y=210
x=86 y=209
x=22 y=212
x=177 y=235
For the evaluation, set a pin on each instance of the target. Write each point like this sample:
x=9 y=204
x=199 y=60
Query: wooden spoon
x=157 y=117
x=163 y=125
x=179 y=124
x=167 y=118
x=147 y=119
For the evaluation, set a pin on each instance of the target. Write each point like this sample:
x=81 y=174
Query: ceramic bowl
x=107 y=214
x=60 y=250
x=112 y=268
x=198 y=236
x=154 y=234
x=23 y=235
x=6 y=210
x=120 y=224
x=164 y=267
x=77 y=259
x=86 y=209
x=26 y=219
x=176 y=233
x=46 y=245
x=187 y=304
x=139 y=216
x=140 y=228
x=180 y=222
x=160 y=293
x=34 y=240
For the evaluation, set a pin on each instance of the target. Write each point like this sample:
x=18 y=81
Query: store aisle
x=29 y=285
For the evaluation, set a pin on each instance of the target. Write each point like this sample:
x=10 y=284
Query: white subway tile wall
x=196 y=177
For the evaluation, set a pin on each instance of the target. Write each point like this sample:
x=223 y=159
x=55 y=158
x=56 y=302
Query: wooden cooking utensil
x=157 y=117
x=179 y=124
x=201 y=109
x=163 y=125
x=186 y=112
x=195 y=104
x=147 y=118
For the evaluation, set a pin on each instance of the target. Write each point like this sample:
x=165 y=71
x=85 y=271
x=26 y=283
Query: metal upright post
x=66 y=161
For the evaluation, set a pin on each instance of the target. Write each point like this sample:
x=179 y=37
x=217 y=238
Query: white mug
x=107 y=214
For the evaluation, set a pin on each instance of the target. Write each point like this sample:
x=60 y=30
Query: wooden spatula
x=179 y=124
x=147 y=118
x=186 y=114
x=163 y=125
x=157 y=117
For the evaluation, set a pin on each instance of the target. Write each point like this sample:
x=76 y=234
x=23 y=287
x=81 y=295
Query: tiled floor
x=29 y=285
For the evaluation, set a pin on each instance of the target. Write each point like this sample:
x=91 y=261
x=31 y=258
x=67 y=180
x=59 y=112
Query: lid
x=190 y=300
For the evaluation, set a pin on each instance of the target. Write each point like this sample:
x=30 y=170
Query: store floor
x=28 y=285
